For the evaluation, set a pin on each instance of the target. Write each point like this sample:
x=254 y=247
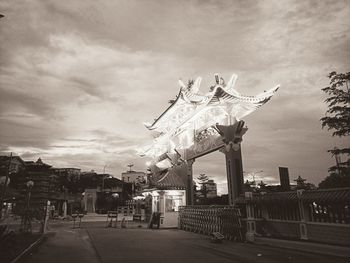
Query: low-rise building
x=133 y=177
x=11 y=165
x=165 y=193
x=211 y=188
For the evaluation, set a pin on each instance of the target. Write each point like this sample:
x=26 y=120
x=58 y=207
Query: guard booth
x=165 y=202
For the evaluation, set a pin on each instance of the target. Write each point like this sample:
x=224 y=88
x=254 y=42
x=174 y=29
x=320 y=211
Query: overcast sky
x=78 y=78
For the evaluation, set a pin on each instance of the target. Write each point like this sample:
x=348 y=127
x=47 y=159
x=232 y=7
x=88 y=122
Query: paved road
x=97 y=244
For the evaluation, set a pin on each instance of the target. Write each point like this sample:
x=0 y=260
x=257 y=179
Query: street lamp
x=103 y=177
x=102 y=188
x=26 y=220
x=116 y=197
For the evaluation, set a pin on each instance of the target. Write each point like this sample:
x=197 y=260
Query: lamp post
x=26 y=224
x=115 y=201
x=103 y=177
x=30 y=185
x=102 y=189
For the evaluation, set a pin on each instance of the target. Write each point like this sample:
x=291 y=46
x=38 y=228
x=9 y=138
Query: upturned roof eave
x=152 y=127
x=222 y=95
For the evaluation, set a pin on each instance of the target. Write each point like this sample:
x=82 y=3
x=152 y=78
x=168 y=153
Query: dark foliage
x=203 y=191
x=335 y=180
x=338 y=114
x=337 y=120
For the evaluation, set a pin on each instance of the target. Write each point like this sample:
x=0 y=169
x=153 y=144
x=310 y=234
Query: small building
x=105 y=193
x=284 y=178
x=11 y=165
x=211 y=189
x=44 y=183
x=70 y=173
x=46 y=187
x=166 y=192
x=133 y=177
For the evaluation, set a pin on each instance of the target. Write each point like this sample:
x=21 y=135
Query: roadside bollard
x=46 y=218
x=74 y=218
x=80 y=217
x=110 y=216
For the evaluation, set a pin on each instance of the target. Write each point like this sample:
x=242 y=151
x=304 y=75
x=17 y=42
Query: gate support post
x=234 y=171
x=232 y=137
x=189 y=188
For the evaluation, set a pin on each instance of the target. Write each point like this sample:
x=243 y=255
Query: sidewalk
x=306 y=246
x=65 y=245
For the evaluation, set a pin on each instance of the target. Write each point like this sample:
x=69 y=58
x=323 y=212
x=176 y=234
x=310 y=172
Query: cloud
x=78 y=80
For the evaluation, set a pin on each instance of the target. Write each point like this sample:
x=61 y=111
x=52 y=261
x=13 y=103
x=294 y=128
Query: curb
x=28 y=249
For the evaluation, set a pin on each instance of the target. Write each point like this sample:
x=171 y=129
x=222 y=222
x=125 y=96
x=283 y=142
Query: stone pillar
x=189 y=187
x=85 y=202
x=94 y=198
x=303 y=216
x=232 y=137
x=162 y=202
x=234 y=171
x=251 y=226
x=64 y=208
x=46 y=218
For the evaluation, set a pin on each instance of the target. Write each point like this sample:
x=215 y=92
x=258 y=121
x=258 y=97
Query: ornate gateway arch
x=196 y=124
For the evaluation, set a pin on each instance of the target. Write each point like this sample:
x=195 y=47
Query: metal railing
x=210 y=219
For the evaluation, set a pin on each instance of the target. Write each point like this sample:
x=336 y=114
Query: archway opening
x=212 y=189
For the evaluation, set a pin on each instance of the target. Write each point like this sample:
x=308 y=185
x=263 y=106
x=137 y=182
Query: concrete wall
x=329 y=233
x=315 y=215
x=278 y=228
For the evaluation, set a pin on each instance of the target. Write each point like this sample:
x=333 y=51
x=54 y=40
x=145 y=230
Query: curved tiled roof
x=191 y=108
x=334 y=195
x=170 y=180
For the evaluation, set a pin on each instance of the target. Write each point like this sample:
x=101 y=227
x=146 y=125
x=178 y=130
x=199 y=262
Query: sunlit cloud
x=77 y=81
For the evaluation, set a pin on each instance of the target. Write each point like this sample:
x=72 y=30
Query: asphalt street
x=96 y=243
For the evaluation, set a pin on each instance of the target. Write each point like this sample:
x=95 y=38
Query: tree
x=335 y=180
x=203 y=191
x=337 y=119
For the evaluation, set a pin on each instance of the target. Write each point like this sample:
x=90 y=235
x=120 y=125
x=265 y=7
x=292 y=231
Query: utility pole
x=130 y=165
